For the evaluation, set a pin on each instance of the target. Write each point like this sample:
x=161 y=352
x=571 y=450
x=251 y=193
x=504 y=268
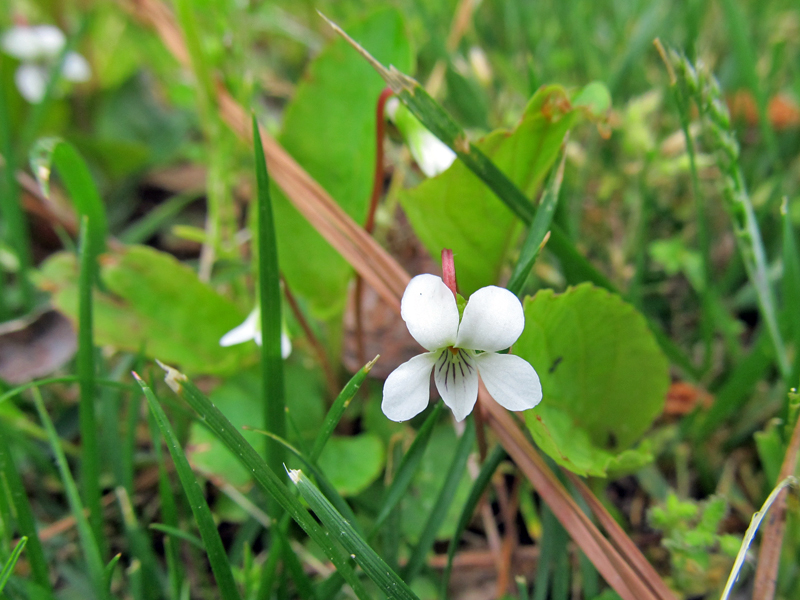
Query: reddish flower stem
x=330 y=377
x=369 y=224
x=449 y=271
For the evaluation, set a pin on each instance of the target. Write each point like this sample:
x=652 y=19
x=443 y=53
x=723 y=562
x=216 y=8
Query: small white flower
x=457 y=352
x=37 y=42
x=250 y=329
x=37 y=47
x=432 y=155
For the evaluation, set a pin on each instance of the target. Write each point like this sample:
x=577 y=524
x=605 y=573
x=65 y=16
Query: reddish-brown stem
x=449 y=271
x=377 y=182
x=369 y=224
x=330 y=376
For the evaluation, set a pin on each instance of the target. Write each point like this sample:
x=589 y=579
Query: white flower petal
x=432 y=155
x=407 y=389
x=511 y=380
x=286 y=345
x=76 y=68
x=430 y=312
x=492 y=320
x=31 y=82
x=21 y=42
x=243 y=333
x=49 y=40
x=456 y=377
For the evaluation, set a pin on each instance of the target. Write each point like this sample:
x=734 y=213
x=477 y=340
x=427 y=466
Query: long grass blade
x=90 y=452
x=11 y=210
x=436 y=517
x=55 y=152
x=263 y=476
x=408 y=467
x=791 y=287
x=89 y=547
x=25 y=520
x=8 y=568
x=538 y=230
x=202 y=513
x=337 y=409
x=497 y=455
x=373 y=565
x=270 y=303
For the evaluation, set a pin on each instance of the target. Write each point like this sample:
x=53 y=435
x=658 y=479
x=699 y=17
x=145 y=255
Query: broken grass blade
x=373 y=565
x=215 y=551
x=538 y=229
x=227 y=433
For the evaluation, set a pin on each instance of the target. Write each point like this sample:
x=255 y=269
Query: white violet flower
x=432 y=155
x=250 y=329
x=37 y=47
x=458 y=351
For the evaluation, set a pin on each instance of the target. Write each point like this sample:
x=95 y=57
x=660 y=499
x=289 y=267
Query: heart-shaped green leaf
x=603 y=376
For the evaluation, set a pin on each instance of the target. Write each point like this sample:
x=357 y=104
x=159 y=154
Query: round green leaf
x=603 y=376
x=352 y=463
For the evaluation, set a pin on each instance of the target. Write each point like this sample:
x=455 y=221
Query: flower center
x=454 y=365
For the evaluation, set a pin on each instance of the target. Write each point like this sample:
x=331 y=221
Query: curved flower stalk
x=250 y=329
x=37 y=47
x=458 y=350
x=432 y=155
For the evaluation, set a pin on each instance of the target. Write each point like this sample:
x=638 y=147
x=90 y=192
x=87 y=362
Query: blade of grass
x=437 y=515
x=85 y=366
x=755 y=522
x=337 y=409
x=538 y=229
x=169 y=513
x=397 y=489
x=179 y=534
x=373 y=565
x=212 y=543
x=322 y=481
x=25 y=520
x=736 y=199
x=141 y=547
x=742 y=48
x=8 y=568
x=493 y=460
x=791 y=286
x=108 y=574
x=66 y=379
x=55 y=152
x=407 y=469
x=737 y=388
x=88 y=542
x=152 y=222
x=11 y=210
x=769 y=555
x=273 y=391
x=263 y=476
